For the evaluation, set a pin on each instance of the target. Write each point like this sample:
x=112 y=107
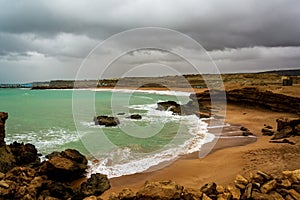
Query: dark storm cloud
x=239 y=35
x=215 y=24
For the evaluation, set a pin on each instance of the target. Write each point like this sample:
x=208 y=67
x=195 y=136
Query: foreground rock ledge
x=259 y=186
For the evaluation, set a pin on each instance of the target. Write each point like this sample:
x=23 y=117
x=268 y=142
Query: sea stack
x=3 y=118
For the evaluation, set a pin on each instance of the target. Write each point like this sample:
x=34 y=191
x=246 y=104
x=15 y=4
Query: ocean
x=53 y=121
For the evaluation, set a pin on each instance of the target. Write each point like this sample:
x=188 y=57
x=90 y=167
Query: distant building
x=287 y=81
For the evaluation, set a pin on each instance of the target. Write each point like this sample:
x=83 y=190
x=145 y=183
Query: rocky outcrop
x=95 y=185
x=26 y=183
x=3 y=118
x=20 y=183
x=65 y=166
x=7 y=159
x=252 y=96
x=25 y=154
x=286 y=127
x=22 y=176
x=293 y=123
x=106 y=121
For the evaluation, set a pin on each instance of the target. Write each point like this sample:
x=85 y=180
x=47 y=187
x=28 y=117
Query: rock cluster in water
x=106 y=121
x=24 y=176
x=190 y=108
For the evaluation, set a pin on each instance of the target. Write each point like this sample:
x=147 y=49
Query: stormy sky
x=44 y=40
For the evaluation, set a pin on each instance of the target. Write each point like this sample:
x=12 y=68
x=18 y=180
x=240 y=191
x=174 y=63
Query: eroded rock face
x=106 y=121
x=3 y=118
x=287 y=127
x=25 y=154
x=67 y=165
x=252 y=96
x=7 y=159
x=20 y=184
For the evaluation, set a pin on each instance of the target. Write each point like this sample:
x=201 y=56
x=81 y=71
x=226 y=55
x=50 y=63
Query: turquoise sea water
x=45 y=118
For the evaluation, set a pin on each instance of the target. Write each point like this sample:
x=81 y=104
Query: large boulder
x=267 y=130
x=3 y=118
x=95 y=185
x=106 y=121
x=160 y=190
x=67 y=165
x=209 y=189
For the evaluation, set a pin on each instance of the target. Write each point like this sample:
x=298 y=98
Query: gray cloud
x=239 y=35
x=215 y=24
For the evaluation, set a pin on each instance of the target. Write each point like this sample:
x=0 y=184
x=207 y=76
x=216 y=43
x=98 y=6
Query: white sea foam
x=123 y=161
x=45 y=141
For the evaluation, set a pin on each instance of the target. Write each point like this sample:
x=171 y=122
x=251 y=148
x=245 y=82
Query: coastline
x=227 y=159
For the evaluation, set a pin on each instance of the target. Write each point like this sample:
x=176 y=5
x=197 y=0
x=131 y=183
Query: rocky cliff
x=254 y=97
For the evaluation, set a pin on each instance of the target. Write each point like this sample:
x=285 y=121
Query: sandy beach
x=229 y=157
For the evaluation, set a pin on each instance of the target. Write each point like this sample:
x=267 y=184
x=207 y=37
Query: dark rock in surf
x=169 y=106
x=106 y=121
x=135 y=116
